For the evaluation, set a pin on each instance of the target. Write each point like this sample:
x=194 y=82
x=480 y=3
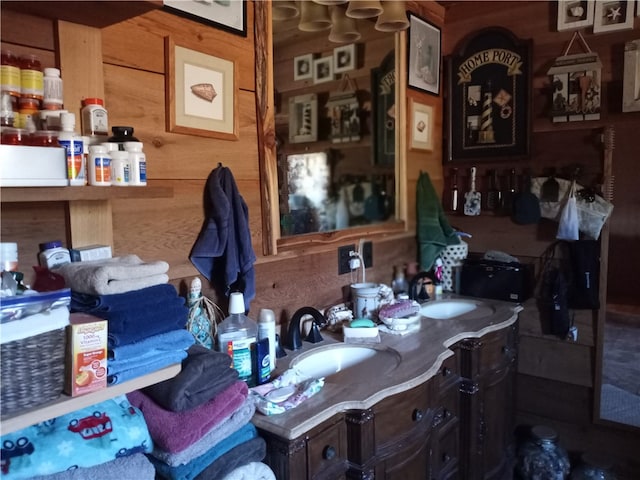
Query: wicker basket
x=452 y=256
x=32 y=371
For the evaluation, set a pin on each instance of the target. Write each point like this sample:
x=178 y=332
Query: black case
x=512 y=282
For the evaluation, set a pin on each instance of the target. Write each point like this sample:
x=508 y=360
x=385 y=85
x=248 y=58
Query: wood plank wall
x=555 y=380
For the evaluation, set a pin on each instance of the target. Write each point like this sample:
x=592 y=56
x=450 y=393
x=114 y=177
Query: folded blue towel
x=190 y=470
x=119 y=357
x=84 y=438
x=151 y=364
x=135 y=326
x=84 y=302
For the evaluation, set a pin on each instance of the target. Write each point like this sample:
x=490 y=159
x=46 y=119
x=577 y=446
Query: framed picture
x=424 y=55
x=225 y=14
x=383 y=110
x=421 y=126
x=575 y=14
x=631 y=78
x=489 y=97
x=303 y=67
x=612 y=15
x=201 y=93
x=303 y=118
x=323 y=70
x=344 y=58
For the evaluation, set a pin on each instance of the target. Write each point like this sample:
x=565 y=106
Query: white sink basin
x=446 y=309
x=356 y=360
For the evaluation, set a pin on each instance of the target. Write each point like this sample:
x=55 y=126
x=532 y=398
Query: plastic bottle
x=120 y=171
x=121 y=135
x=52 y=84
x=399 y=284
x=236 y=334
x=31 y=77
x=10 y=73
x=53 y=254
x=73 y=145
x=95 y=120
x=99 y=166
x=267 y=329
x=9 y=256
x=137 y=164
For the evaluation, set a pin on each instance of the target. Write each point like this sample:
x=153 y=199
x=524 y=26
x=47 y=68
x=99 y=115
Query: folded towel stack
x=200 y=418
x=90 y=437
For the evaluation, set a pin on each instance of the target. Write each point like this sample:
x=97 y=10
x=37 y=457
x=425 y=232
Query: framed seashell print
x=201 y=93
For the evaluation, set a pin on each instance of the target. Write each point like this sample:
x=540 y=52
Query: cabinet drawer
x=399 y=414
x=449 y=410
x=447 y=452
x=449 y=372
x=490 y=352
x=327 y=452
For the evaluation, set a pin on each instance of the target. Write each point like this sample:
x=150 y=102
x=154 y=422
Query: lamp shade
x=284 y=9
x=343 y=28
x=394 y=16
x=314 y=17
x=364 y=8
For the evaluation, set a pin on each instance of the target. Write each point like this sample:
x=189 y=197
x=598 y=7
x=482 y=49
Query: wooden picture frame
x=230 y=16
x=575 y=14
x=489 y=97
x=424 y=52
x=201 y=93
x=421 y=126
x=631 y=78
x=612 y=15
x=303 y=67
x=344 y=58
x=322 y=70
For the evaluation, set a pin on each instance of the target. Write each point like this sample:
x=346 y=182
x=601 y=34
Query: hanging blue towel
x=223 y=252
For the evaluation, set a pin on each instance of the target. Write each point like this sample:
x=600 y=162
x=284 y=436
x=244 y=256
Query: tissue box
x=92 y=252
x=86 y=354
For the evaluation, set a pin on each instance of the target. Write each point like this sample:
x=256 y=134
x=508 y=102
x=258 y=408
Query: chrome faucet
x=294 y=341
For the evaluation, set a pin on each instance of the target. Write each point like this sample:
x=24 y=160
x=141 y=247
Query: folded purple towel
x=205 y=373
x=176 y=431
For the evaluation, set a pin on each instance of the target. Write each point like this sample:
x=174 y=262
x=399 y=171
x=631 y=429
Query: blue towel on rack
x=84 y=302
x=192 y=469
x=150 y=364
x=87 y=437
x=120 y=357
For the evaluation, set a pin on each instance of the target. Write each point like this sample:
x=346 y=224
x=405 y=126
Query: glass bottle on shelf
x=494 y=195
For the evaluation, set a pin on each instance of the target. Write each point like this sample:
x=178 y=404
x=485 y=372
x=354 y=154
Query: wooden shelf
x=93 y=13
x=66 y=404
x=70 y=194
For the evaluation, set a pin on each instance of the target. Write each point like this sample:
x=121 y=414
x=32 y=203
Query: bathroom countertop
x=421 y=355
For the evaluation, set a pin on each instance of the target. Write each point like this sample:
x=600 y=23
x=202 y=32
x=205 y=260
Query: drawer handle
x=446 y=372
x=445 y=457
x=447 y=413
x=329 y=452
x=417 y=415
x=506 y=350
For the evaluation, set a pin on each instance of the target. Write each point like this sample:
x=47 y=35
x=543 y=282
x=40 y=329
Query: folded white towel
x=113 y=275
x=251 y=471
x=34 y=324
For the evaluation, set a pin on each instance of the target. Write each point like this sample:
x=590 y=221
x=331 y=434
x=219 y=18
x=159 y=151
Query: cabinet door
x=327 y=453
x=411 y=463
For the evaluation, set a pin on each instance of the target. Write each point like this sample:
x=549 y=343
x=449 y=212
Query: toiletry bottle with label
x=267 y=329
x=236 y=334
x=74 y=150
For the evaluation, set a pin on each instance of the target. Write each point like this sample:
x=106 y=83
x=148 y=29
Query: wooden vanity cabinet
x=488 y=368
x=456 y=425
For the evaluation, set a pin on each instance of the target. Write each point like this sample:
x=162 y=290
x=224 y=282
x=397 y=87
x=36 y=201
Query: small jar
x=99 y=166
x=10 y=73
x=13 y=136
x=8 y=107
x=9 y=256
x=541 y=457
x=52 y=84
x=137 y=164
x=593 y=467
x=28 y=109
x=121 y=135
x=53 y=254
x=119 y=168
x=45 y=138
x=31 y=77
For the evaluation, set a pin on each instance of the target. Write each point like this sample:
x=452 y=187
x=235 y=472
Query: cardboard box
x=86 y=354
x=92 y=252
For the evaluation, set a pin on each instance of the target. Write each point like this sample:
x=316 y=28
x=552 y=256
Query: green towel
x=433 y=229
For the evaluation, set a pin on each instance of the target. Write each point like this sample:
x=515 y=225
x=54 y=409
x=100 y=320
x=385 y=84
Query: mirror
x=335 y=125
